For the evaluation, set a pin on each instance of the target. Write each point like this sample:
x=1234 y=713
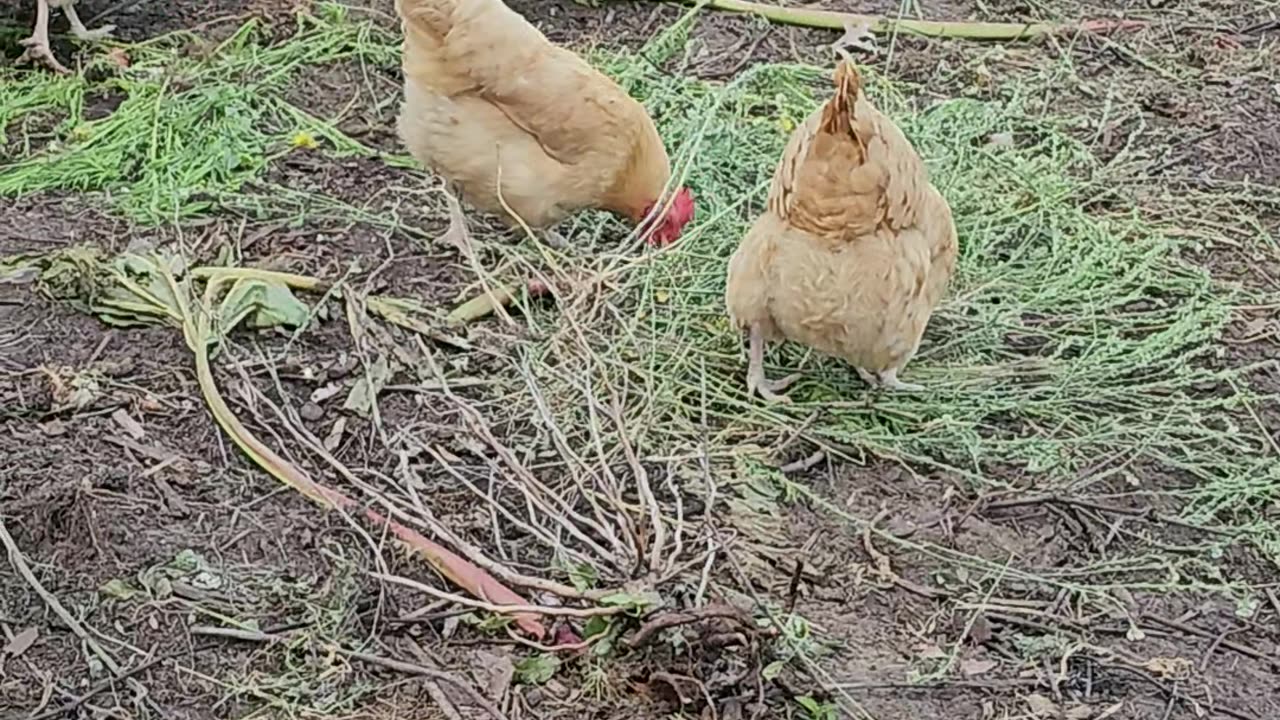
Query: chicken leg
x=38 y=50
x=77 y=28
x=756 y=381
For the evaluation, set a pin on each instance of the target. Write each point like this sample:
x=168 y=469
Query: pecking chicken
x=38 y=50
x=853 y=251
x=491 y=103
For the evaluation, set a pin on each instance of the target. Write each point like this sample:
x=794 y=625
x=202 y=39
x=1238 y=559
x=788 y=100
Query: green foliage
x=814 y=710
x=537 y=669
x=187 y=129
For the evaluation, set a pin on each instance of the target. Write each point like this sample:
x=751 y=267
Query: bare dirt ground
x=145 y=532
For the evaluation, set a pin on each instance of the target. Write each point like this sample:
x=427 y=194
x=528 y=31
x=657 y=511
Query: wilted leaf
x=118 y=589
x=1041 y=706
x=970 y=668
x=118 y=57
x=261 y=305
x=188 y=560
x=773 y=669
x=129 y=425
x=537 y=669
x=22 y=642
x=325 y=392
x=583 y=577
x=929 y=651
x=1111 y=710
x=499 y=670
x=636 y=601
x=334 y=438
x=1166 y=667
x=980 y=631
x=365 y=392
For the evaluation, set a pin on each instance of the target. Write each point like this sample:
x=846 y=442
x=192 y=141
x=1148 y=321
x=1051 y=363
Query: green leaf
x=583 y=576
x=773 y=669
x=261 y=304
x=635 y=601
x=118 y=589
x=537 y=669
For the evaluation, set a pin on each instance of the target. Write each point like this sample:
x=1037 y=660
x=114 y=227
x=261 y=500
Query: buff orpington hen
x=38 y=50
x=853 y=251
x=490 y=103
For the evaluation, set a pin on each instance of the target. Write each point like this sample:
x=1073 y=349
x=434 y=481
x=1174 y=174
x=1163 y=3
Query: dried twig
x=1149 y=514
x=20 y=564
x=647 y=632
x=834 y=20
x=389 y=663
x=1217 y=639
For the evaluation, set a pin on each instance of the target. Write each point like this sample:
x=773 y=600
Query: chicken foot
x=888 y=379
x=38 y=44
x=756 y=381
x=38 y=50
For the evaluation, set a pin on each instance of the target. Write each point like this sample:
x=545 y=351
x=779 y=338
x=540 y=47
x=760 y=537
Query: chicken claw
x=38 y=44
x=888 y=380
x=756 y=381
x=857 y=35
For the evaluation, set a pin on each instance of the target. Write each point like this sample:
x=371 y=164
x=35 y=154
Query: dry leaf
x=128 y=424
x=1078 y=712
x=118 y=57
x=334 y=438
x=1169 y=667
x=929 y=651
x=970 y=668
x=325 y=392
x=1041 y=706
x=1110 y=711
x=54 y=428
x=22 y=642
x=980 y=631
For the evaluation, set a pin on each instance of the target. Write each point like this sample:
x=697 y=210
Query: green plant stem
x=834 y=20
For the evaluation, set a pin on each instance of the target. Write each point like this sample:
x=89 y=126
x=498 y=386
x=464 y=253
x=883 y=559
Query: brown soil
x=88 y=504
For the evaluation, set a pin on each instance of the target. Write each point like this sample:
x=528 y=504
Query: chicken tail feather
x=837 y=116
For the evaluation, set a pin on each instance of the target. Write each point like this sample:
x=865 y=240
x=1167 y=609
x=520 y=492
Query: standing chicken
x=37 y=45
x=490 y=102
x=854 y=250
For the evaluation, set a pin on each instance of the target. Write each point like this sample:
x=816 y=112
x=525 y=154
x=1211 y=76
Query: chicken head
x=667 y=228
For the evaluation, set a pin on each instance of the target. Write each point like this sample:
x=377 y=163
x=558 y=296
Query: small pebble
x=311 y=412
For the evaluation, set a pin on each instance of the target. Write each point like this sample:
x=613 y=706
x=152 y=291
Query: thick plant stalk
x=880 y=24
x=456 y=569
